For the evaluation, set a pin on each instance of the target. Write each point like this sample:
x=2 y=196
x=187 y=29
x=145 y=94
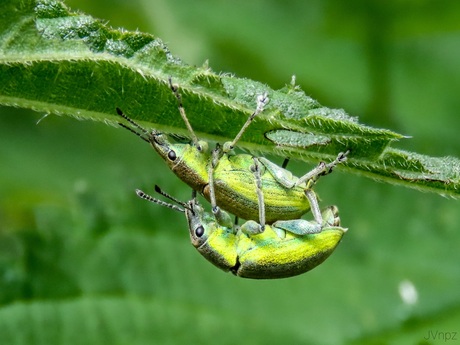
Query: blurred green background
x=84 y=261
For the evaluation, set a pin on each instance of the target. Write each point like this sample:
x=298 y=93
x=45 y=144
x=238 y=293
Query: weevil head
x=200 y=223
x=168 y=150
x=215 y=242
x=187 y=161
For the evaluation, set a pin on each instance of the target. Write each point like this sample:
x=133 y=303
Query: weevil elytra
x=274 y=253
x=252 y=188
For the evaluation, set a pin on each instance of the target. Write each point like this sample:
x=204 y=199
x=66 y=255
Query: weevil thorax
x=187 y=161
x=216 y=243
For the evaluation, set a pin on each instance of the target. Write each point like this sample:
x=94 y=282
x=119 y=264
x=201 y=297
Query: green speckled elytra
x=252 y=188
x=274 y=253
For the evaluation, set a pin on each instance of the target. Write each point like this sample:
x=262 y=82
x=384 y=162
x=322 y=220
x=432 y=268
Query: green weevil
x=252 y=188
x=275 y=253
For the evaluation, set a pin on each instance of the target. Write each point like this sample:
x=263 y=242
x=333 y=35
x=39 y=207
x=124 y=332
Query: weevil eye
x=199 y=231
x=172 y=155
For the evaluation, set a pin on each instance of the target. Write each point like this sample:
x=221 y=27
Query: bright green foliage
x=84 y=261
x=62 y=62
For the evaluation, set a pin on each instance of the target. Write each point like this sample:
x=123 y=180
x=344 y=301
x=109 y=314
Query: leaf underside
x=57 y=61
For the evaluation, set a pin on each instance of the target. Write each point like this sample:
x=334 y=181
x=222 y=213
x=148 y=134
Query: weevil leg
x=260 y=194
x=222 y=218
x=313 y=174
x=330 y=216
x=251 y=228
x=323 y=169
x=341 y=157
x=214 y=162
x=262 y=100
x=282 y=176
x=297 y=226
x=314 y=205
x=200 y=145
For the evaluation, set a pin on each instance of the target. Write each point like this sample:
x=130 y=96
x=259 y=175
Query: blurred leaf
x=78 y=249
x=127 y=320
x=402 y=18
x=438 y=329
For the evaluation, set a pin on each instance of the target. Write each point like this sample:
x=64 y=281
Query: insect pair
x=250 y=187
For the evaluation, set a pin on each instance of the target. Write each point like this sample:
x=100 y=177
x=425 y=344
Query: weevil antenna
x=134 y=124
x=175 y=90
x=170 y=197
x=133 y=131
x=147 y=197
x=262 y=100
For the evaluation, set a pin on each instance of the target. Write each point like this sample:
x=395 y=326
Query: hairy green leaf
x=57 y=61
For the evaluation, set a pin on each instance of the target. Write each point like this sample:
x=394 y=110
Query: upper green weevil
x=249 y=187
x=277 y=252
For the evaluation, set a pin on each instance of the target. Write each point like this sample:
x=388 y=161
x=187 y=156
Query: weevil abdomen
x=235 y=189
x=281 y=258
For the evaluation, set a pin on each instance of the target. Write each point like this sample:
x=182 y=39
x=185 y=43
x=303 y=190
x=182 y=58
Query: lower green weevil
x=275 y=253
